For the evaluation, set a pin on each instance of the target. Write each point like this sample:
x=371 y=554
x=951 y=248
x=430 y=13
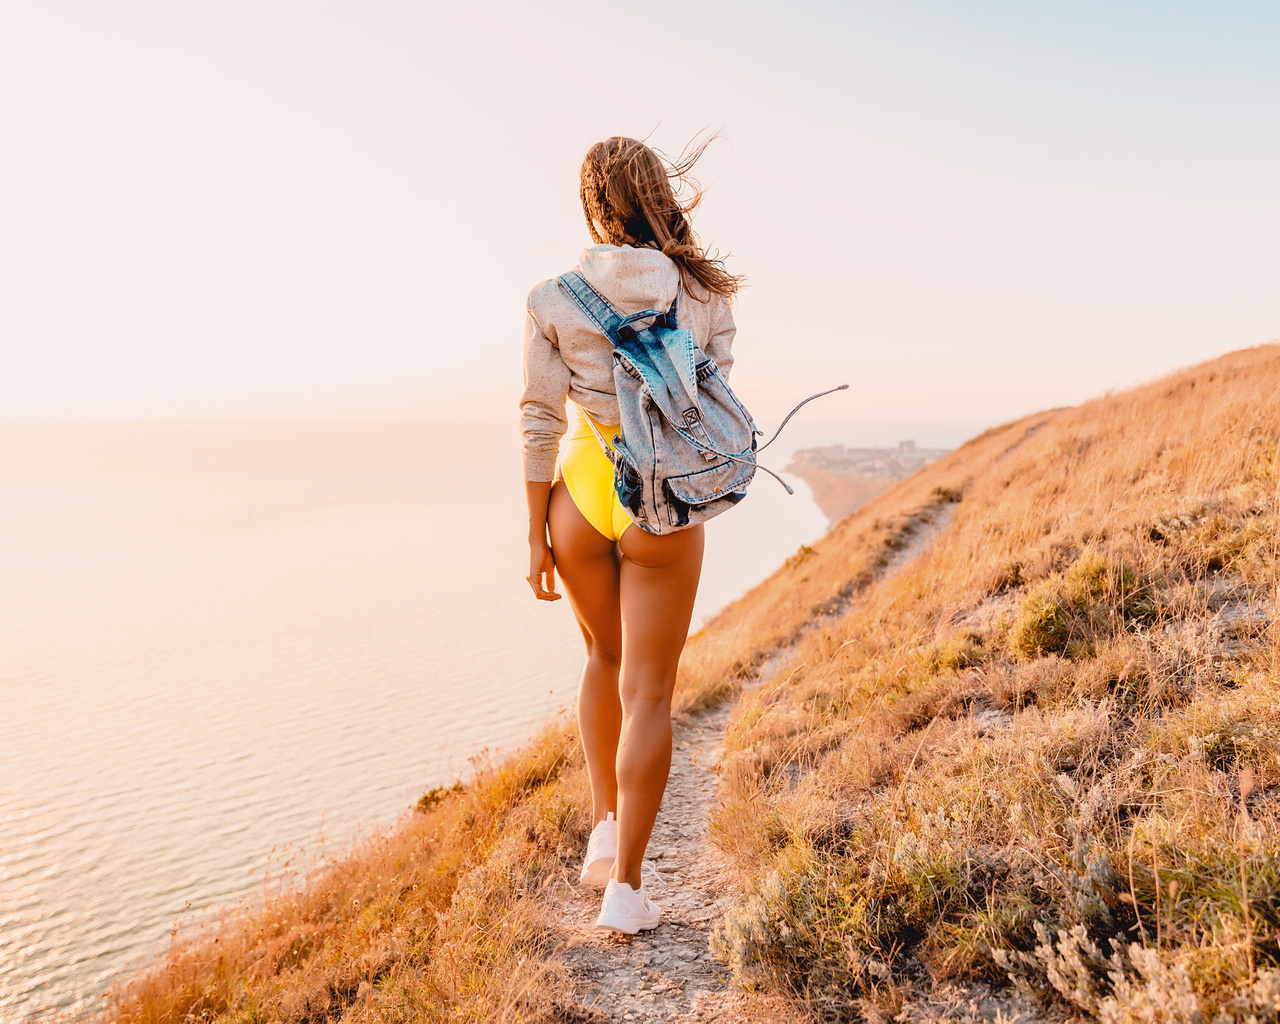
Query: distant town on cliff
x=843 y=478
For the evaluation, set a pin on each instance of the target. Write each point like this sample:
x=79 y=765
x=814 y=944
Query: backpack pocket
x=698 y=496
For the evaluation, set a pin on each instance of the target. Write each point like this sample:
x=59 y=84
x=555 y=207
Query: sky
x=966 y=209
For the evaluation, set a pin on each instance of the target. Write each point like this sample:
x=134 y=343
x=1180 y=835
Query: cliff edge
x=1005 y=744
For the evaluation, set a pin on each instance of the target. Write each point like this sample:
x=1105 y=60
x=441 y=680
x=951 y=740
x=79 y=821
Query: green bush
x=1069 y=612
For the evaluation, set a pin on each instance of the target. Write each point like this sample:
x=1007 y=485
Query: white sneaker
x=602 y=848
x=628 y=910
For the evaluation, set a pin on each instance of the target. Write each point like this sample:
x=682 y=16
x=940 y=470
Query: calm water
x=224 y=643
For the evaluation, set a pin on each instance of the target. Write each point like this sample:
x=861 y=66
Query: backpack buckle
x=693 y=417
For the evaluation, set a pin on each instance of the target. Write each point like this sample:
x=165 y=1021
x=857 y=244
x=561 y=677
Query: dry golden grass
x=1048 y=750
x=431 y=920
x=819 y=582
x=1045 y=751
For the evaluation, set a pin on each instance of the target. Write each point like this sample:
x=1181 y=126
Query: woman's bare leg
x=658 y=582
x=588 y=564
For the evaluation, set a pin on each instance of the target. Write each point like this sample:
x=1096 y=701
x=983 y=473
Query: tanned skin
x=633 y=601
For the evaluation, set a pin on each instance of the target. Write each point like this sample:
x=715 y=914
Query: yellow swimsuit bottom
x=588 y=474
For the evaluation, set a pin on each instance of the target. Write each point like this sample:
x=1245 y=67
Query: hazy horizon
x=966 y=211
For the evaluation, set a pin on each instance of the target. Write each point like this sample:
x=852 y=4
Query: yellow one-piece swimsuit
x=588 y=474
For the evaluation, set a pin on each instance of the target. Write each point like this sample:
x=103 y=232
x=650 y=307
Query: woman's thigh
x=659 y=581
x=587 y=563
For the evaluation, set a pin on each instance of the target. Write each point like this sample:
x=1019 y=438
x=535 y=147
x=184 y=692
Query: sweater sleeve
x=542 y=412
x=723 y=329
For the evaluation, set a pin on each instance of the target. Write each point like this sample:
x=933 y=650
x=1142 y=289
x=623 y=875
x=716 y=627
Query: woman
x=632 y=592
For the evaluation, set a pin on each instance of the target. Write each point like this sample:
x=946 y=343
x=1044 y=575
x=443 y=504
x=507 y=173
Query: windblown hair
x=629 y=199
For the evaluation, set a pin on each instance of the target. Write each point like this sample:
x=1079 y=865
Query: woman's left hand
x=542 y=566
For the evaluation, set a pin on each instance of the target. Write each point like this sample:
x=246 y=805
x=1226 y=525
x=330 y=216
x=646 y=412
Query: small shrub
x=1224 y=749
x=432 y=797
x=1208 y=539
x=1012 y=687
x=960 y=650
x=966 y=948
x=1071 y=610
x=1009 y=576
x=1044 y=624
x=801 y=556
x=810 y=931
x=1068 y=963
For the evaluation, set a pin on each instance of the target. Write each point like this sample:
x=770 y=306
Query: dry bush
x=1047 y=751
x=1071 y=611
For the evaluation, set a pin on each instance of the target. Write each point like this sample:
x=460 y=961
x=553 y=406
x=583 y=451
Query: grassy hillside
x=1048 y=750
x=1043 y=750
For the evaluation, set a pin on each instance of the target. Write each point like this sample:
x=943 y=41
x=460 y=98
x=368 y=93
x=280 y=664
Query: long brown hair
x=629 y=199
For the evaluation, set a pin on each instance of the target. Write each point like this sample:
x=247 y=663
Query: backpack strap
x=601 y=311
x=591 y=422
x=829 y=391
x=598 y=309
x=672 y=321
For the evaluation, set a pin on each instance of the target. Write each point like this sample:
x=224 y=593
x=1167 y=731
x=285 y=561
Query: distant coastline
x=843 y=478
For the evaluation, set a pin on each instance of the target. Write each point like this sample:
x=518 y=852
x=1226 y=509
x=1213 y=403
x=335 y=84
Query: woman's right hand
x=542 y=567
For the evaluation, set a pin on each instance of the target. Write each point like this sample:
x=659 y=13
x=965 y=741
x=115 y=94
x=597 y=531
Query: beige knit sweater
x=565 y=355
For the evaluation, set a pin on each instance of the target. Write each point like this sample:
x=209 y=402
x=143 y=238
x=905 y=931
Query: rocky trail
x=667 y=974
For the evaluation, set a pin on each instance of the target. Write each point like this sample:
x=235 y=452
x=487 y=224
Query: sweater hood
x=630 y=278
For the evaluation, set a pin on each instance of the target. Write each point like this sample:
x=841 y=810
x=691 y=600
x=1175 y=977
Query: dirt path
x=667 y=974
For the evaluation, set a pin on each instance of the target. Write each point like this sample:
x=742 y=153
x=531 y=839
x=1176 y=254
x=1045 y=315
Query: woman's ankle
x=602 y=804
x=632 y=878
x=603 y=814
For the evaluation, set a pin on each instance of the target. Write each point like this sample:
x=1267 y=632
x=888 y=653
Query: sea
x=229 y=647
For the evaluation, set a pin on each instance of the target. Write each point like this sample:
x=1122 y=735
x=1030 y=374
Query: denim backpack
x=687 y=447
